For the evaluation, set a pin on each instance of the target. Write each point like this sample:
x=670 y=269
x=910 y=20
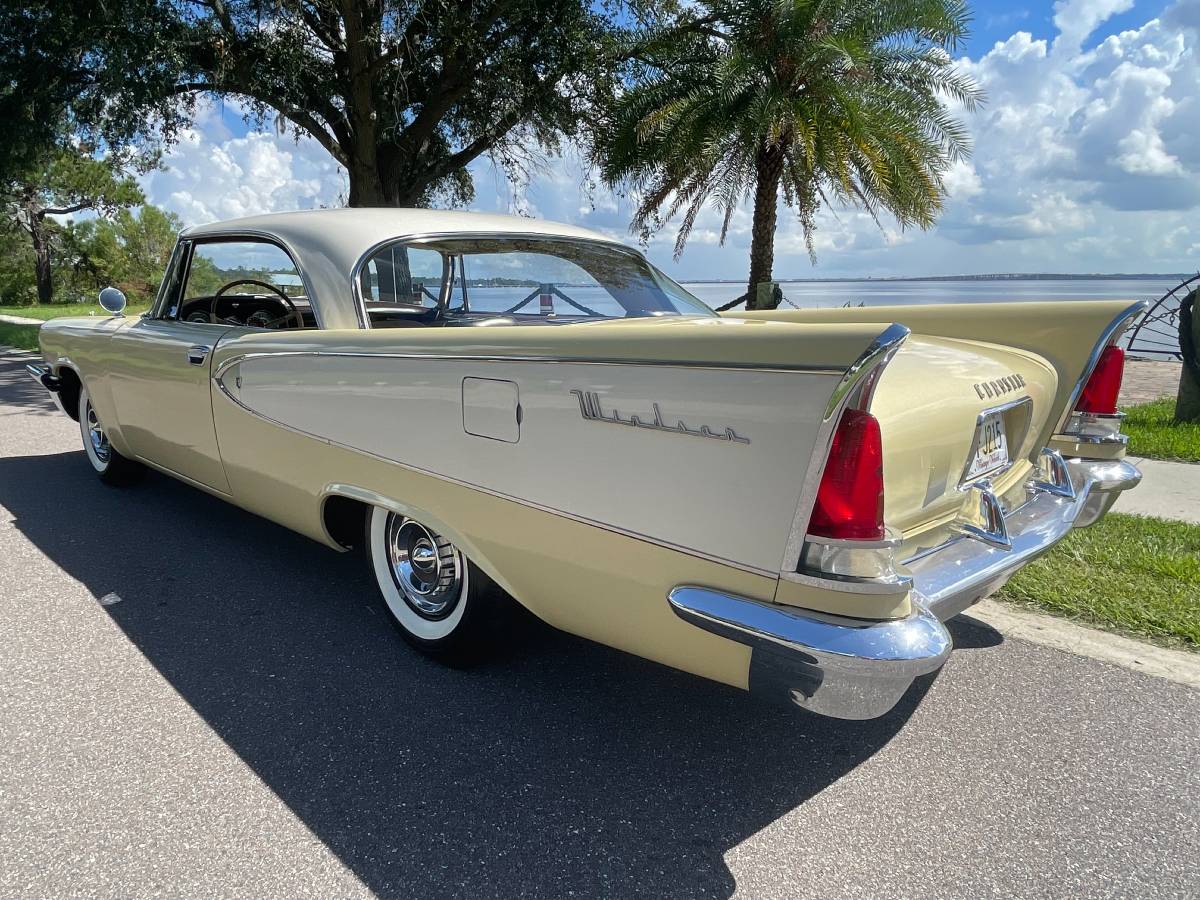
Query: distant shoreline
x=1040 y=276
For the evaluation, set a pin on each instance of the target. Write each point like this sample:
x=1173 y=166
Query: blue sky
x=1087 y=159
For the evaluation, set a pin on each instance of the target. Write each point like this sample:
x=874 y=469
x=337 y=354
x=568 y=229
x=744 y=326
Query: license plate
x=991 y=447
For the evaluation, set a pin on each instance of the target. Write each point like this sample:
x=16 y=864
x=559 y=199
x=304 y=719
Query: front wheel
x=441 y=603
x=111 y=466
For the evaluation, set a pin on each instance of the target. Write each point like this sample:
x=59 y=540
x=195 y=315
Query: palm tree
x=835 y=101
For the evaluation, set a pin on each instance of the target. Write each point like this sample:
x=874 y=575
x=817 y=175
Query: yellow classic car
x=790 y=502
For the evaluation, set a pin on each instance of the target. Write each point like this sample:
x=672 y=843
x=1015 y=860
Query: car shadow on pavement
x=562 y=767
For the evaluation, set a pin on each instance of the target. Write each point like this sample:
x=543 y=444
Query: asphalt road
x=196 y=701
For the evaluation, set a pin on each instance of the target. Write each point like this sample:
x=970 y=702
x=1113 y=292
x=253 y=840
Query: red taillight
x=1100 y=393
x=850 y=499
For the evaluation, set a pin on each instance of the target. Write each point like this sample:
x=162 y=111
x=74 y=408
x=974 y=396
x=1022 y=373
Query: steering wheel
x=292 y=312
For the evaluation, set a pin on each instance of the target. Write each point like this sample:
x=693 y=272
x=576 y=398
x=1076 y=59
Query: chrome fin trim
x=857 y=385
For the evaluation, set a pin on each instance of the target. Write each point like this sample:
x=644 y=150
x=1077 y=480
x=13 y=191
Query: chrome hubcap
x=97 y=436
x=426 y=567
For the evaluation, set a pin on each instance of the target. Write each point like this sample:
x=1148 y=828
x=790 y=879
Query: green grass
x=58 y=310
x=23 y=337
x=1153 y=432
x=1132 y=574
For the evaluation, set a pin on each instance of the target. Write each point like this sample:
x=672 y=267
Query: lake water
x=884 y=293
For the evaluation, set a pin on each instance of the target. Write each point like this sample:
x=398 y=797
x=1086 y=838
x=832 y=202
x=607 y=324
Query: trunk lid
x=929 y=403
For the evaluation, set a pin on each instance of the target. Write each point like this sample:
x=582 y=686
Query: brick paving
x=1145 y=381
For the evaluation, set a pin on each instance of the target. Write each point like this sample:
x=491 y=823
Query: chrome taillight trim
x=1111 y=334
x=856 y=387
x=1093 y=428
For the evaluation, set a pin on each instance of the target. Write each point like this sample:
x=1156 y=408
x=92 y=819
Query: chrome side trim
x=1109 y=335
x=593 y=361
x=843 y=669
x=857 y=384
x=347 y=490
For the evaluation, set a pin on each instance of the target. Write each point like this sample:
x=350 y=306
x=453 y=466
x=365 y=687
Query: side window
x=402 y=276
x=243 y=283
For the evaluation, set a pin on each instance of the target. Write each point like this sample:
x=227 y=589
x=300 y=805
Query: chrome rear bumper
x=852 y=670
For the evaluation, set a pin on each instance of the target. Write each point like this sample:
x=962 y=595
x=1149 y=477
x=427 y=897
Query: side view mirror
x=112 y=300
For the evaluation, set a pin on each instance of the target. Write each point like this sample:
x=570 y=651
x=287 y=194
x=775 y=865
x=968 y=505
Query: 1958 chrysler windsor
x=789 y=501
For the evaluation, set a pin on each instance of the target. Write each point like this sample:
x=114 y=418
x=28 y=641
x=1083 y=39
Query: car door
x=160 y=385
x=162 y=365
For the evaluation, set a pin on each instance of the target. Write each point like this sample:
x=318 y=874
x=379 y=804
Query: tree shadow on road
x=565 y=766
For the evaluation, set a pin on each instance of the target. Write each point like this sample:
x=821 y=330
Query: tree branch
x=65 y=210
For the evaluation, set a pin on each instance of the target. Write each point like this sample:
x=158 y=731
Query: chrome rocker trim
x=859 y=670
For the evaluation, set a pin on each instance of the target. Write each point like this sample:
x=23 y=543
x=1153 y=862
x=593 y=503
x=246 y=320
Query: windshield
x=525 y=278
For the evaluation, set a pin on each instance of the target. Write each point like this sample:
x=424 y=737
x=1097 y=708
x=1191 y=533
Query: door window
x=243 y=283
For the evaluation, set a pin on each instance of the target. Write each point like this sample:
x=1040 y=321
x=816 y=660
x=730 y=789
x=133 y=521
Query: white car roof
x=327 y=243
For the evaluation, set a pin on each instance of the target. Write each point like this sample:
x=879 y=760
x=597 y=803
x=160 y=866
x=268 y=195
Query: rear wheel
x=111 y=466
x=440 y=602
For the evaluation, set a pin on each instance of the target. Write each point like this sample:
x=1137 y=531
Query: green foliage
x=17 y=285
x=65 y=178
x=22 y=337
x=841 y=101
x=403 y=93
x=129 y=251
x=1155 y=432
x=102 y=71
x=68 y=178
x=1126 y=573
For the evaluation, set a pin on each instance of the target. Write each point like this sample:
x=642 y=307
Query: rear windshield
x=523 y=278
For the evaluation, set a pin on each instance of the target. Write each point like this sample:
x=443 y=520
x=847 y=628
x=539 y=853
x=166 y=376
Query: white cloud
x=1076 y=19
x=211 y=175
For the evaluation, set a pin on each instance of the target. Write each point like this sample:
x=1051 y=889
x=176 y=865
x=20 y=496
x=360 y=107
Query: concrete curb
x=1179 y=666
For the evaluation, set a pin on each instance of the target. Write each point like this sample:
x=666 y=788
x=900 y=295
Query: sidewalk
x=1169 y=490
x=20 y=320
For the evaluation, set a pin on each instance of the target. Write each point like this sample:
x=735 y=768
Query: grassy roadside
x=22 y=337
x=1131 y=574
x=59 y=310
x=1153 y=432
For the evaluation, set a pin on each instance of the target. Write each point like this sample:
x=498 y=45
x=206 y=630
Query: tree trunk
x=1187 y=402
x=366 y=187
x=769 y=164
x=41 y=257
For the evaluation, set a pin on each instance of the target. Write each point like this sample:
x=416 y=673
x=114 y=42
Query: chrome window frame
x=360 y=310
x=249 y=235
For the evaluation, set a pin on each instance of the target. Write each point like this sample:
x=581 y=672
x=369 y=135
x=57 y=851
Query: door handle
x=198 y=354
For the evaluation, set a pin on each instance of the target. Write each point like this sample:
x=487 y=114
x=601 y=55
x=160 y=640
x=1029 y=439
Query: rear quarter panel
x=1064 y=334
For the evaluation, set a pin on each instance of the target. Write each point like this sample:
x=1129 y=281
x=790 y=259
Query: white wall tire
x=436 y=598
x=111 y=466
